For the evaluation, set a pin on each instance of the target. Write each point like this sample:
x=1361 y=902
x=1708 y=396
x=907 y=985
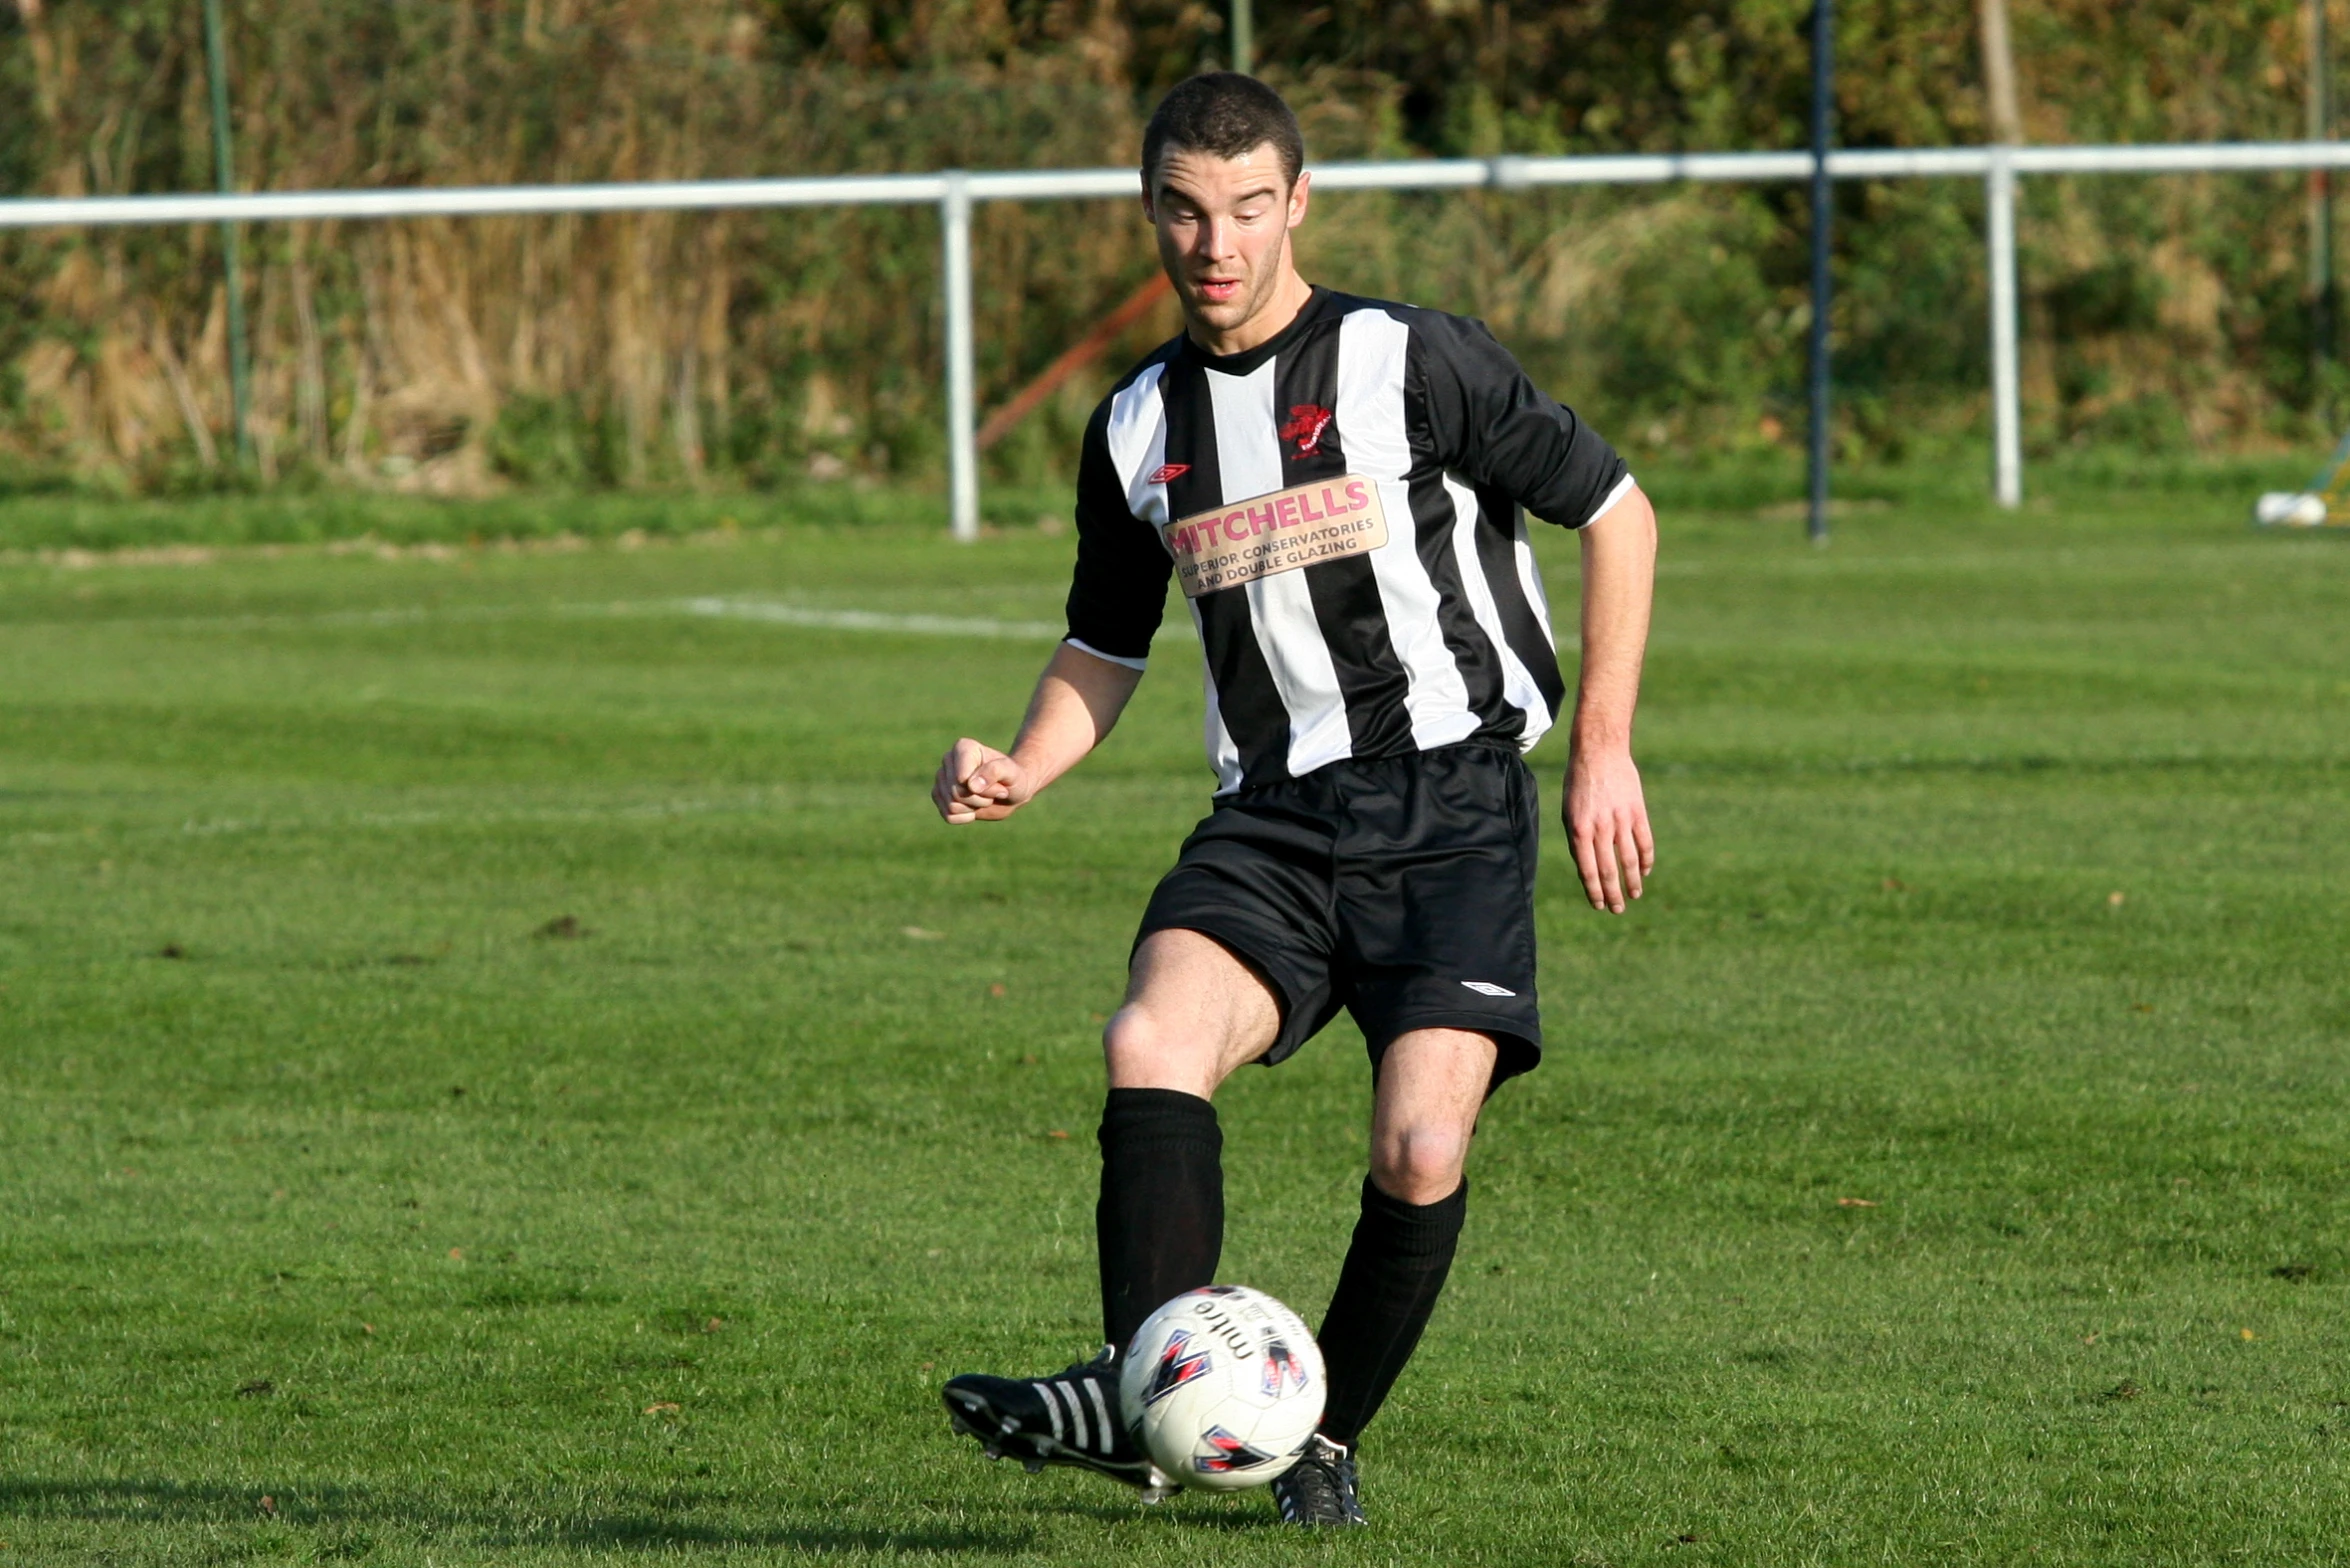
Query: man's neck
x=1290 y=296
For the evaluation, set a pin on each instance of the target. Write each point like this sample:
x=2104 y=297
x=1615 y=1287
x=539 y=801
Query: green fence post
x=224 y=170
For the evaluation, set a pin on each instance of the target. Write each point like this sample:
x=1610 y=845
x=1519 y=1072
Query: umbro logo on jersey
x=1488 y=988
x=1167 y=471
x=1307 y=421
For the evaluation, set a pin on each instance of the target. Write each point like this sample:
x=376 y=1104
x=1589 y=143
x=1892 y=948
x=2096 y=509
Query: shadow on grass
x=514 y=1520
x=1246 y=1513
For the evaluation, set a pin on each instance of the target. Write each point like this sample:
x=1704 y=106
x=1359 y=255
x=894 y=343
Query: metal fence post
x=954 y=212
x=224 y=170
x=1823 y=209
x=2319 y=112
x=2007 y=417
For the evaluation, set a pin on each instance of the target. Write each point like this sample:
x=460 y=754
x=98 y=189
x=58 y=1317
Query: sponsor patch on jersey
x=1488 y=988
x=1166 y=471
x=1305 y=525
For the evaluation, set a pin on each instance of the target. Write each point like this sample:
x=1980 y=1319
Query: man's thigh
x=1253 y=881
x=1434 y=1076
x=1432 y=1083
x=1193 y=1013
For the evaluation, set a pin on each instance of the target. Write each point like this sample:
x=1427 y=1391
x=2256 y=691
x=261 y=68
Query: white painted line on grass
x=771 y=612
x=873 y=620
x=796 y=798
x=816 y=618
x=641 y=811
x=777 y=798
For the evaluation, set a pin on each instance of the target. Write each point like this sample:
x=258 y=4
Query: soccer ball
x=1222 y=1387
x=2291 y=509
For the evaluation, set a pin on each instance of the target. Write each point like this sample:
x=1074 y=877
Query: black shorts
x=1398 y=888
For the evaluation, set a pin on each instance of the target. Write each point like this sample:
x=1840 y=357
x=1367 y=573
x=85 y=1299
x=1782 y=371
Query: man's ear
x=1299 y=197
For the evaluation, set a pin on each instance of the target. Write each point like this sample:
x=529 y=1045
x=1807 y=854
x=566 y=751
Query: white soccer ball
x=1222 y=1387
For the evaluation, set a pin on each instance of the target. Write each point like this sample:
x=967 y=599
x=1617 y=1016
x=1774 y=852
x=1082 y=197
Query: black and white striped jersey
x=1342 y=508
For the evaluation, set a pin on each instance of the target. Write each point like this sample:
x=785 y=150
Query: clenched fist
x=978 y=783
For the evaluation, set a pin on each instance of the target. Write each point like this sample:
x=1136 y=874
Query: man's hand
x=1078 y=698
x=978 y=783
x=1607 y=822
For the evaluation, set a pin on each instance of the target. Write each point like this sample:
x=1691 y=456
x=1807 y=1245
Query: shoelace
x=1312 y=1492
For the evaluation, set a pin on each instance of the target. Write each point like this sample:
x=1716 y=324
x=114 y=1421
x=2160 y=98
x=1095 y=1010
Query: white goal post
x=955 y=191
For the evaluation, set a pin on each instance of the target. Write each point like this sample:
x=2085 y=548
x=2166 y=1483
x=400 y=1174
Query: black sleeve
x=1119 y=593
x=1482 y=417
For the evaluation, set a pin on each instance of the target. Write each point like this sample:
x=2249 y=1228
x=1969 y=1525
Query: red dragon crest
x=1307 y=421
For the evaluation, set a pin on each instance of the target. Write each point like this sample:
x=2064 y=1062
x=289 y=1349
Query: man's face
x=1223 y=227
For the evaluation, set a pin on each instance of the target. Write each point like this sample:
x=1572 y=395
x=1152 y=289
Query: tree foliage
x=648 y=348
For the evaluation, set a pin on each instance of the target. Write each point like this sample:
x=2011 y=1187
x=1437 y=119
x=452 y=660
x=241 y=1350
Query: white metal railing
x=955 y=191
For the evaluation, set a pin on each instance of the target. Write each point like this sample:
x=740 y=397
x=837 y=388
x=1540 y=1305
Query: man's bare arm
x=1078 y=699
x=1606 y=815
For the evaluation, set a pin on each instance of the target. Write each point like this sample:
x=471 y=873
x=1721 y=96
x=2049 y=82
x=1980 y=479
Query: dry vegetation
x=760 y=347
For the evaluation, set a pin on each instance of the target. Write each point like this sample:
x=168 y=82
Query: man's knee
x=1142 y=1052
x=1421 y=1164
x=1131 y=1039
x=1193 y=1013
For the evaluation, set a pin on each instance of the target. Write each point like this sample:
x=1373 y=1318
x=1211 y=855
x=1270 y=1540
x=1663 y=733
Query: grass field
x=499 y=1064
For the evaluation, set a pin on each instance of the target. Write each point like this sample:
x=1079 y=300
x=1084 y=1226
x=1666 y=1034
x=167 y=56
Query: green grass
x=2005 y=885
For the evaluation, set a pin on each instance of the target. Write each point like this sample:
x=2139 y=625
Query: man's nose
x=1215 y=237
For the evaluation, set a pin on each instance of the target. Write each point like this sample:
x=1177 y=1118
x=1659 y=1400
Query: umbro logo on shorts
x=1488 y=988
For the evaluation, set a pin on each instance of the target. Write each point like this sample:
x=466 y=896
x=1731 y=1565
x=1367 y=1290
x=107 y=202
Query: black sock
x=1394 y=1272
x=1160 y=1222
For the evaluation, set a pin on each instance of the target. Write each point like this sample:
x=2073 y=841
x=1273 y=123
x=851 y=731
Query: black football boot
x=1070 y=1418
x=1319 y=1489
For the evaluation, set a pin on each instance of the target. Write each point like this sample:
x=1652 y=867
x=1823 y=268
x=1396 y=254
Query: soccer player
x=1337 y=485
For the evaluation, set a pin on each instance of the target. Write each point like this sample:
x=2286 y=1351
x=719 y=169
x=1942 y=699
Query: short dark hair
x=1225 y=115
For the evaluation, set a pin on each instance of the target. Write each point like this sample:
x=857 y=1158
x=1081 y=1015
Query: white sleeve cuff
x=1107 y=658
x=1622 y=489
